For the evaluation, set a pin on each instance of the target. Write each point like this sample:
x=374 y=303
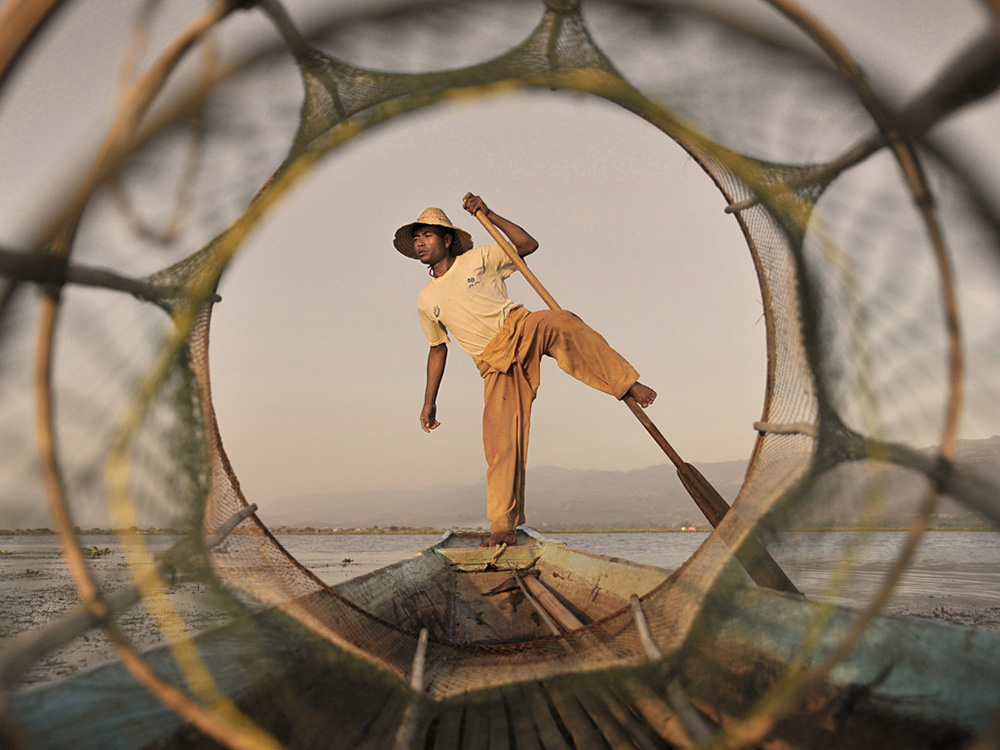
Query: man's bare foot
x=643 y=394
x=500 y=537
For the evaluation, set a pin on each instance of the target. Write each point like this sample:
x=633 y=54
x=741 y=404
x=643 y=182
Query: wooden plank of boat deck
x=576 y=720
x=477 y=724
x=641 y=734
x=449 y=728
x=499 y=726
x=485 y=726
x=381 y=729
x=548 y=731
x=522 y=727
x=600 y=713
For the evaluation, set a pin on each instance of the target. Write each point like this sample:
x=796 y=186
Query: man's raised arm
x=523 y=242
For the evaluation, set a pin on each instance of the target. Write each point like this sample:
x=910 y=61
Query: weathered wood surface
x=908 y=669
x=289 y=680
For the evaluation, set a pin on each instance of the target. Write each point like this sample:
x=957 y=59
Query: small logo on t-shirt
x=437 y=311
x=472 y=281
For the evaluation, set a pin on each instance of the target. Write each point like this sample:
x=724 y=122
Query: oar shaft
x=754 y=558
x=657 y=436
x=518 y=261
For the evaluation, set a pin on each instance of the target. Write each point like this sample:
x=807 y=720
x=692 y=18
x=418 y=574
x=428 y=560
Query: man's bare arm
x=437 y=357
x=523 y=242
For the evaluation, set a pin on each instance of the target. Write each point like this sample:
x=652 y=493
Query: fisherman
x=467 y=296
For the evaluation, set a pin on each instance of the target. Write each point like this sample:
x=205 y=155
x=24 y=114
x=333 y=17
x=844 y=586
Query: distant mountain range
x=556 y=498
x=649 y=498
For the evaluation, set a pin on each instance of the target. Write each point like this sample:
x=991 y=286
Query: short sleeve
x=494 y=258
x=435 y=332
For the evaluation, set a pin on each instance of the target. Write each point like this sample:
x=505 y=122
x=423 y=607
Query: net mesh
x=877 y=264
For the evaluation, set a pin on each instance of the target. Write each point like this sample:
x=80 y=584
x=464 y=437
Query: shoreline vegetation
x=388 y=530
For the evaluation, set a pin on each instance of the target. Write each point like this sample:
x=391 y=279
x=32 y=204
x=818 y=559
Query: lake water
x=948 y=565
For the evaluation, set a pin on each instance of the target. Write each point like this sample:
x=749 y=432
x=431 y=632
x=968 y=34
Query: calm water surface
x=947 y=563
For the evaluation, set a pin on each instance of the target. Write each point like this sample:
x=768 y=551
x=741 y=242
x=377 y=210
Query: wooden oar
x=752 y=555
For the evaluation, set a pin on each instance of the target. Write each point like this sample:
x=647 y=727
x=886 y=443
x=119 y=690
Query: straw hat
x=403 y=241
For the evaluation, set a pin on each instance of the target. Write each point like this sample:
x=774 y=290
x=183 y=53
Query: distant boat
x=540 y=645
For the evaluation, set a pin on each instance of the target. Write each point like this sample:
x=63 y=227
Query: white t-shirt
x=470 y=300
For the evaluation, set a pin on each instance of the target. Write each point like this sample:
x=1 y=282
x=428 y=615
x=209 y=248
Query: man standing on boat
x=467 y=296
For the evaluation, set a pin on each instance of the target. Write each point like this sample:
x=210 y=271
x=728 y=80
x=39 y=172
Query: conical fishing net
x=878 y=260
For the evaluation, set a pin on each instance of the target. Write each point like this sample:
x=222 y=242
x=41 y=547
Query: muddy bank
x=37 y=588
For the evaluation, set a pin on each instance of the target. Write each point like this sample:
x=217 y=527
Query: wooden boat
x=906 y=682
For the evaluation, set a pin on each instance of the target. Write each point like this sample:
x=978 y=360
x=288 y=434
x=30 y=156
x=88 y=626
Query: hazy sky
x=318 y=359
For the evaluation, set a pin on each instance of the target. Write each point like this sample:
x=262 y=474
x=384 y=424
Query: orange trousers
x=511 y=370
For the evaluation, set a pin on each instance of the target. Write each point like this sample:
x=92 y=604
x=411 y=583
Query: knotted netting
x=878 y=261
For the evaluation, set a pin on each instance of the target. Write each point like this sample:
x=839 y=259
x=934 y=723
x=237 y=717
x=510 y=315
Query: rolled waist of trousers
x=500 y=352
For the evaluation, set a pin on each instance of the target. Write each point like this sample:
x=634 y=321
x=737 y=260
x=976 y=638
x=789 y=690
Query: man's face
x=431 y=244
